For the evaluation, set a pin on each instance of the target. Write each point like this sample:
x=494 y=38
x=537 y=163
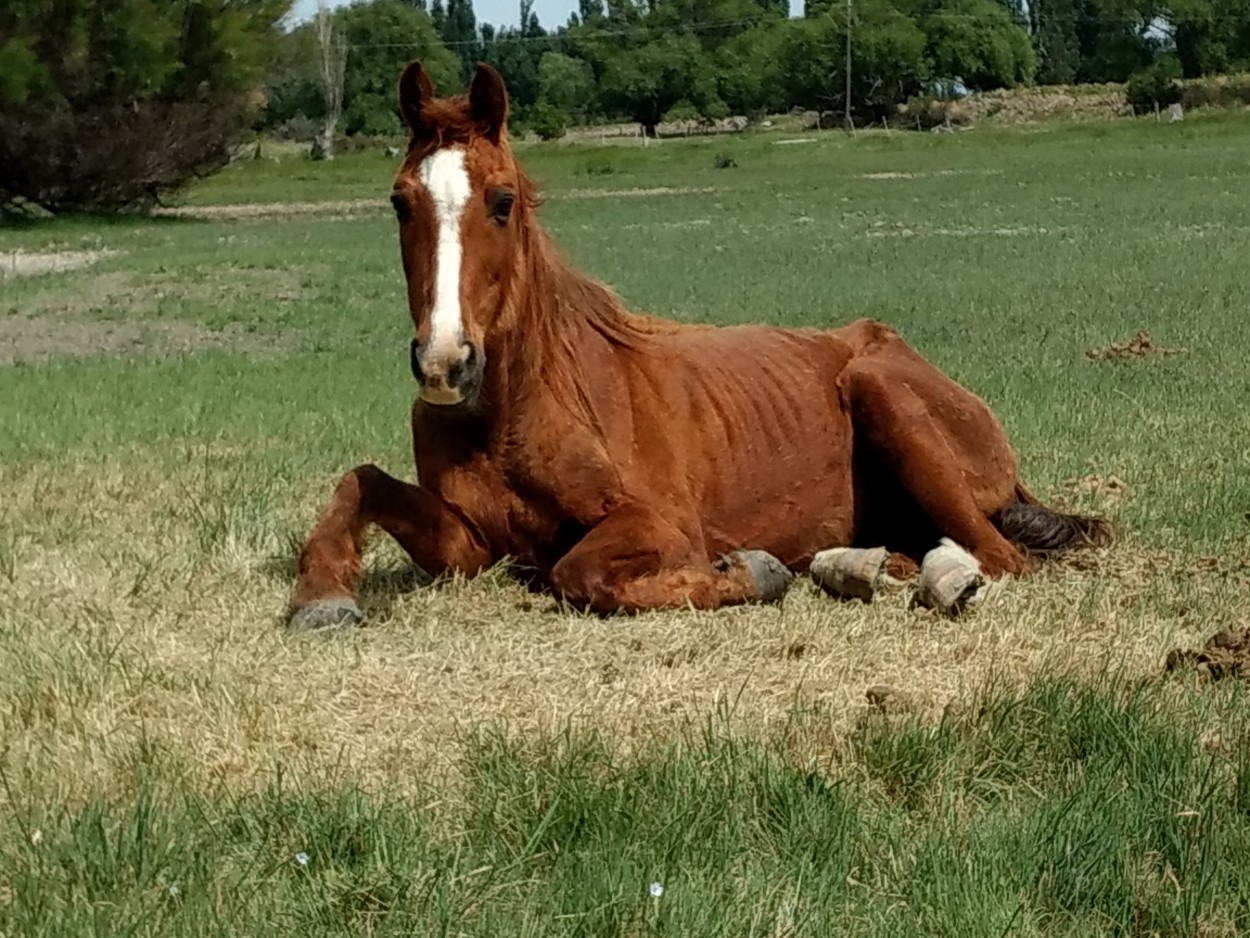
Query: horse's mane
x=576 y=297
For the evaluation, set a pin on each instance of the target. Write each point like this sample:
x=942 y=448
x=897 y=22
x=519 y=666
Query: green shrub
x=683 y=110
x=1155 y=86
x=548 y=121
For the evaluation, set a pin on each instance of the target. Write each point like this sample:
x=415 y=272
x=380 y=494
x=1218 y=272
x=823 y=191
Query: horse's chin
x=451 y=403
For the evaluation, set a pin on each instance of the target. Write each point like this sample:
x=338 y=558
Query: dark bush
x=1158 y=85
x=114 y=156
x=153 y=95
x=299 y=129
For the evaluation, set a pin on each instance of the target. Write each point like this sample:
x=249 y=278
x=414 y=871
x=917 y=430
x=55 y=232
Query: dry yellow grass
x=127 y=625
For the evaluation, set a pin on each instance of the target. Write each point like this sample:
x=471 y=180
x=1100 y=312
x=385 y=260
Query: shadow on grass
x=381 y=587
x=32 y=218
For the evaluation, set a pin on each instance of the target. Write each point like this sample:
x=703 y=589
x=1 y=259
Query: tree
x=889 y=64
x=566 y=84
x=1093 y=40
x=1211 y=36
x=382 y=37
x=332 y=59
x=750 y=70
x=292 y=86
x=109 y=104
x=645 y=82
x=978 y=42
x=1154 y=86
x=459 y=32
x=1054 y=28
x=1115 y=39
x=516 y=53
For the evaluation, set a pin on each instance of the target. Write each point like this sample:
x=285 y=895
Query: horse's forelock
x=446 y=122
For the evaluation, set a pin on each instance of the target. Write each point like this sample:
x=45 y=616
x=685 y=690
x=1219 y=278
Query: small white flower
x=173 y=889
x=301 y=858
x=657 y=890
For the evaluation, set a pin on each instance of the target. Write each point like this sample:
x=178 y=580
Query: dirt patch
x=1225 y=654
x=119 y=313
x=254 y=210
x=33 y=339
x=35 y=263
x=940 y=172
x=629 y=193
x=1001 y=231
x=345 y=208
x=1139 y=346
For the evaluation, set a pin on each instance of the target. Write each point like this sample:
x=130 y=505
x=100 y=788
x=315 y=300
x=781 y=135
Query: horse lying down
x=632 y=463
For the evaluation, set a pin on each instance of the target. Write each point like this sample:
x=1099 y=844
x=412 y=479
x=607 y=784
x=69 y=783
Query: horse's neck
x=559 y=320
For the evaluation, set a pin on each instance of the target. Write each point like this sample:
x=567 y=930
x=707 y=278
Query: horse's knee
x=577 y=579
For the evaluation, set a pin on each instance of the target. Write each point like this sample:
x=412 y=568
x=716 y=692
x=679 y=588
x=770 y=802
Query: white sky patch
x=447 y=181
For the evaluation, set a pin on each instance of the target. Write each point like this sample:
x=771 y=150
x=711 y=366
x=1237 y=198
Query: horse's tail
x=1033 y=526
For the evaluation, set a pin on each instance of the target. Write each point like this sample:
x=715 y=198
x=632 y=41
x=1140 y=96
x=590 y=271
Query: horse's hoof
x=326 y=616
x=850 y=572
x=770 y=575
x=949 y=578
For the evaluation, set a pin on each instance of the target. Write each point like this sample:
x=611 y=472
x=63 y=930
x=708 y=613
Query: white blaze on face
x=447 y=181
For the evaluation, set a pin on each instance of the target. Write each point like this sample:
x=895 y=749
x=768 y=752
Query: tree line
x=108 y=104
x=649 y=61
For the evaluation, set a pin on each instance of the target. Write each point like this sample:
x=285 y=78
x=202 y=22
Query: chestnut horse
x=632 y=463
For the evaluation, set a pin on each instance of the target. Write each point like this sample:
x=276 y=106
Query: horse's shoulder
x=866 y=335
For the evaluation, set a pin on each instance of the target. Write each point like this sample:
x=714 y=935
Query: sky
x=551 y=13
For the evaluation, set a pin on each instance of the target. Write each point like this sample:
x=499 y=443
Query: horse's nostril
x=465 y=369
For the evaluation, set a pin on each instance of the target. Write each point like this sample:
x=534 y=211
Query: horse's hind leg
x=329 y=564
x=942 y=446
x=634 y=559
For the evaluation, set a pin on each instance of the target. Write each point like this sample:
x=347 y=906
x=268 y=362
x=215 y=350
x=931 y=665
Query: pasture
x=179 y=394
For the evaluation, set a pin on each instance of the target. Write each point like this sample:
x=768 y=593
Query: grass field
x=479 y=761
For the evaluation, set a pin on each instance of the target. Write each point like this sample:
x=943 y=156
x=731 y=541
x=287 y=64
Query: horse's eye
x=499 y=204
x=401 y=206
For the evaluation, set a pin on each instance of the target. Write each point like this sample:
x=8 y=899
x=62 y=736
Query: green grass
x=1054 y=811
x=1004 y=259
x=481 y=763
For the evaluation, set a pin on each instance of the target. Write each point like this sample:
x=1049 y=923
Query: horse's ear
x=415 y=92
x=488 y=101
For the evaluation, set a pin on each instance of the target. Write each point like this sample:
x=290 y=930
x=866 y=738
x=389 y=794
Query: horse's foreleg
x=329 y=565
x=635 y=560
x=898 y=424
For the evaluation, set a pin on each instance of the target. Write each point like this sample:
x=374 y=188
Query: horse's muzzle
x=447 y=380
